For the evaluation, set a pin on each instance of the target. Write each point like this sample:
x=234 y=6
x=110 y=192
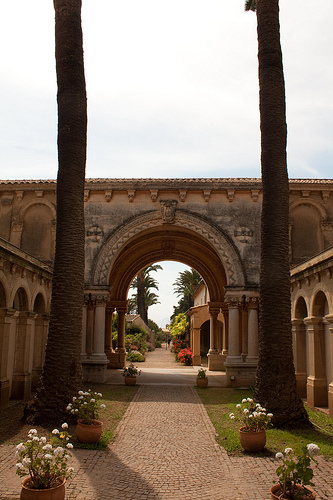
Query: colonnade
x=233 y=337
x=313 y=358
x=23 y=337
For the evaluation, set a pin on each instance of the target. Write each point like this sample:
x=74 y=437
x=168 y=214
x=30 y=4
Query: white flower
x=249 y=400
x=251 y=416
x=279 y=455
x=246 y=411
x=48 y=456
x=103 y=406
x=270 y=415
x=32 y=431
x=58 y=451
x=74 y=398
x=47 y=447
x=26 y=461
x=80 y=393
x=69 y=407
x=43 y=439
x=67 y=457
x=70 y=469
x=85 y=403
x=20 y=447
x=69 y=446
x=238 y=406
x=244 y=400
x=99 y=394
x=313 y=449
x=288 y=451
x=19 y=465
x=231 y=415
x=64 y=425
x=92 y=400
x=55 y=431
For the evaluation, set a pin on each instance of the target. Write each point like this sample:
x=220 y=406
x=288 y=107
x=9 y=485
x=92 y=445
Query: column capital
x=214 y=308
x=233 y=302
x=252 y=302
x=313 y=320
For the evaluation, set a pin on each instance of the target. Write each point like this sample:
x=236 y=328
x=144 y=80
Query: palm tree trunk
x=276 y=382
x=62 y=372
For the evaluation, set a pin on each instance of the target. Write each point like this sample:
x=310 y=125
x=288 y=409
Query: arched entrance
x=181 y=237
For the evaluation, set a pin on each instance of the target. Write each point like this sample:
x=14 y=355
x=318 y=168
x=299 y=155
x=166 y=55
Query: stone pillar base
x=116 y=360
x=317 y=392
x=240 y=375
x=4 y=393
x=21 y=386
x=196 y=361
x=330 y=399
x=301 y=384
x=215 y=362
x=94 y=371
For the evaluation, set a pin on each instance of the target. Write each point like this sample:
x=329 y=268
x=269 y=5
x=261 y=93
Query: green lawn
x=220 y=402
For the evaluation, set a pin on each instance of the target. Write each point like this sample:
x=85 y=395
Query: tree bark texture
x=276 y=382
x=62 y=372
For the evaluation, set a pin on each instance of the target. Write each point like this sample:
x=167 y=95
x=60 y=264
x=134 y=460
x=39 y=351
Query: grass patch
x=219 y=402
x=115 y=397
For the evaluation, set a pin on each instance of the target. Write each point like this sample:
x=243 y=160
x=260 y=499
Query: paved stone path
x=165 y=449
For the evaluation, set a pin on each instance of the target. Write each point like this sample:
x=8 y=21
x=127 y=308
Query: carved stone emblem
x=168 y=209
x=95 y=233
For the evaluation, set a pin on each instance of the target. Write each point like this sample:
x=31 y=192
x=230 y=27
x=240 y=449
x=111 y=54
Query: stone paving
x=165 y=449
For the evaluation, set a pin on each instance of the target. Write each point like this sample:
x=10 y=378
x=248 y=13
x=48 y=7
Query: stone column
x=7 y=349
x=99 y=328
x=316 y=382
x=299 y=348
x=121 y=310
x=225 y=342
x=108 y=329
x=215 y=360
x=84 y=328
x=234 y=344
x=21 y=386
x=252 y=329
x=41 y=324
x=329 y=319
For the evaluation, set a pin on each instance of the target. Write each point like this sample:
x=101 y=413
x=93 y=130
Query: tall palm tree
x=62 y=373
x=143 y=282
x=186 y=284
x=276 y=382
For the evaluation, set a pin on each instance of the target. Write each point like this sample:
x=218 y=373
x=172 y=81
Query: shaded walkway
x=165 y=449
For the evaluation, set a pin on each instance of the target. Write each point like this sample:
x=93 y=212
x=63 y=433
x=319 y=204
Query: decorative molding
x=86 y=195
x=39 y=193
x=243 y=234
x=154 y=194
x=131 y=195
x=230 y=195
x=305 y=193
x=182 y=194
x=108 y=195
x=206 y=194
x=255 y=194
x=95 y=233
x=168 y=210
x=7 y=199
x=325 y=195
x=19 y=195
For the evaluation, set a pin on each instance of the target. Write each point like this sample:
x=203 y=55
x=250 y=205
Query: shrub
x=135 y=356
x=185 y=356
x=157 y=344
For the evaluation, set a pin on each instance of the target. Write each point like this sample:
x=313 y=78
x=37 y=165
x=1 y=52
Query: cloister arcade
x=212 y=225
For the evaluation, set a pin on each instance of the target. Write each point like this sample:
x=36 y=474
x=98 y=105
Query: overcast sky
x=172 y=88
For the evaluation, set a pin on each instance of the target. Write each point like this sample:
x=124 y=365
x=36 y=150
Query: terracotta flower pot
x=202 y=382
x=276 y=493
x=89 y=433
x=56 y=493
x=130 y=380
x=252 y=441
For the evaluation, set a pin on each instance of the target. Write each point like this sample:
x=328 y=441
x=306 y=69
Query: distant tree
x=180 y=326
x=184 y=287
x=276 y=382
x=143 y=283
x=62 y=373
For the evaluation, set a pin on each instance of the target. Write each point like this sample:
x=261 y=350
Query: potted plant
x=202 y=379
x=46 y=463
x=295 y=474
x=86 y=408
x=185 y=356
x=255 y=420
x=130 y=373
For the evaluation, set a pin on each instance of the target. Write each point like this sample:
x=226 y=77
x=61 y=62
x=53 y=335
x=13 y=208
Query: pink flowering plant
x=45 y=461
x=85 y=406
x=295 y=470
x=252 y=416
x=185 y=356
x=131 y=371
